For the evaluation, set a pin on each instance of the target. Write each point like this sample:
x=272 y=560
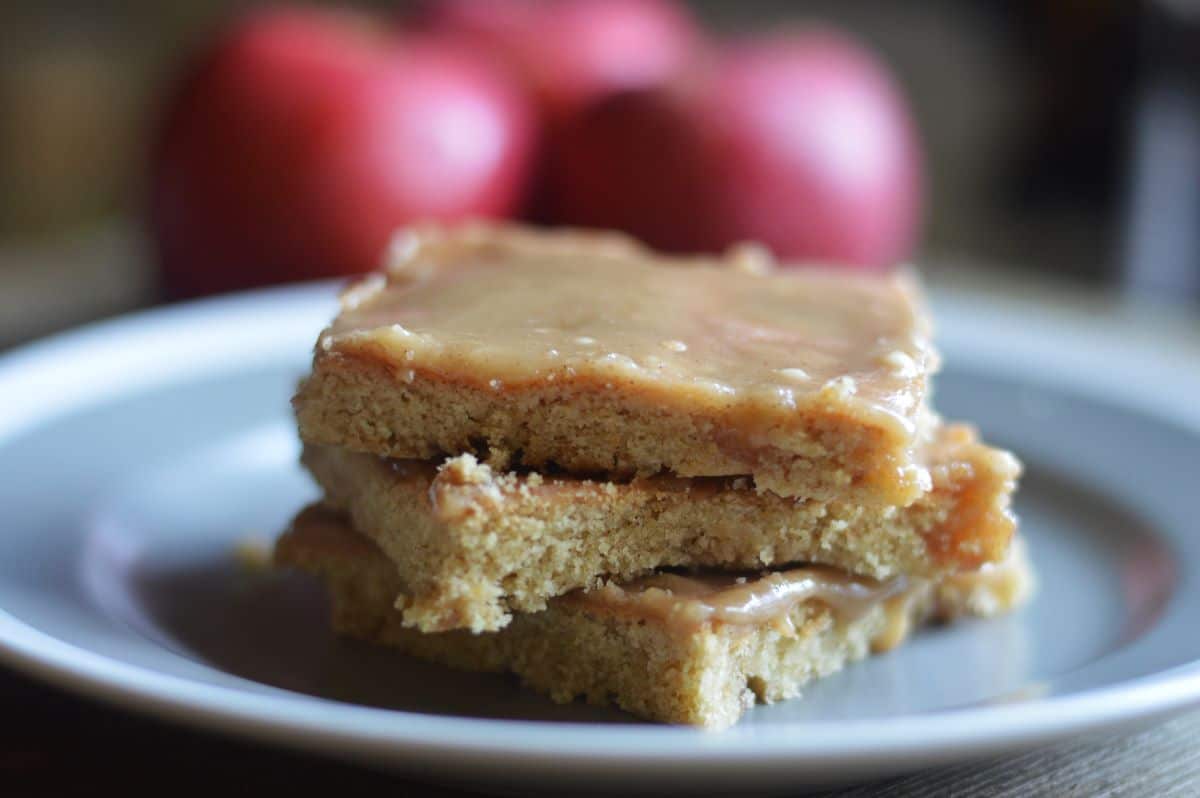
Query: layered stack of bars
x=679 y=484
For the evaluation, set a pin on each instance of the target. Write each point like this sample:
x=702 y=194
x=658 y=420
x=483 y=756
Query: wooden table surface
x=52 y=743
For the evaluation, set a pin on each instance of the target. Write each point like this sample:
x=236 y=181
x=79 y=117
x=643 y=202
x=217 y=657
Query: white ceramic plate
x=137 y=454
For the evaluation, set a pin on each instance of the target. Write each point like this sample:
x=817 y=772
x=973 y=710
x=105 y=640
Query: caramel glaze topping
x=506 y=308
x=687 y=602
x=977 y=481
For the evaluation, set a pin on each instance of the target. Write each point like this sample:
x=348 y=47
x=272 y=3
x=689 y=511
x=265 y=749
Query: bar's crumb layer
x=705 y=677
x=589 y=353
x=474 y=545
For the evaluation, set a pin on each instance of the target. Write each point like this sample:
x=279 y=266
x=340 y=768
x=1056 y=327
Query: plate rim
x=393 y=735
x=280 y=716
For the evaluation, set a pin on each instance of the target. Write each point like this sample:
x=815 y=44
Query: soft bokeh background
x=1063 y=139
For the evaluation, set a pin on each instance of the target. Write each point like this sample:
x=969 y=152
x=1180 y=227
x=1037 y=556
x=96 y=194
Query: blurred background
x=1061 y=138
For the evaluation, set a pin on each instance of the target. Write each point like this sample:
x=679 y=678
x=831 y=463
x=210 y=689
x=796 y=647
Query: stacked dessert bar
x=679 y=484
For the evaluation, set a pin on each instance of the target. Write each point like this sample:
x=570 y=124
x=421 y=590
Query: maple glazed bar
x=473 y=544
x=588 y=353
x=679 y=648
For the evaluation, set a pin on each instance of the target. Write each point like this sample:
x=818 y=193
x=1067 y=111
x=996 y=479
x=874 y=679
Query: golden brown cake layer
x=474 y=545
x=616 y=644
x=588 y=352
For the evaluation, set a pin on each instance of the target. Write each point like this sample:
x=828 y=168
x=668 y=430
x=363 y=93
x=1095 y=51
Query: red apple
x=575 y=52
x=305 y=137
x=801 y=142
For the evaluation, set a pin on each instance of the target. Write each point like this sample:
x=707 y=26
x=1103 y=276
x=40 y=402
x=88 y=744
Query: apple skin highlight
x=303 y=138
x=801 y=142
